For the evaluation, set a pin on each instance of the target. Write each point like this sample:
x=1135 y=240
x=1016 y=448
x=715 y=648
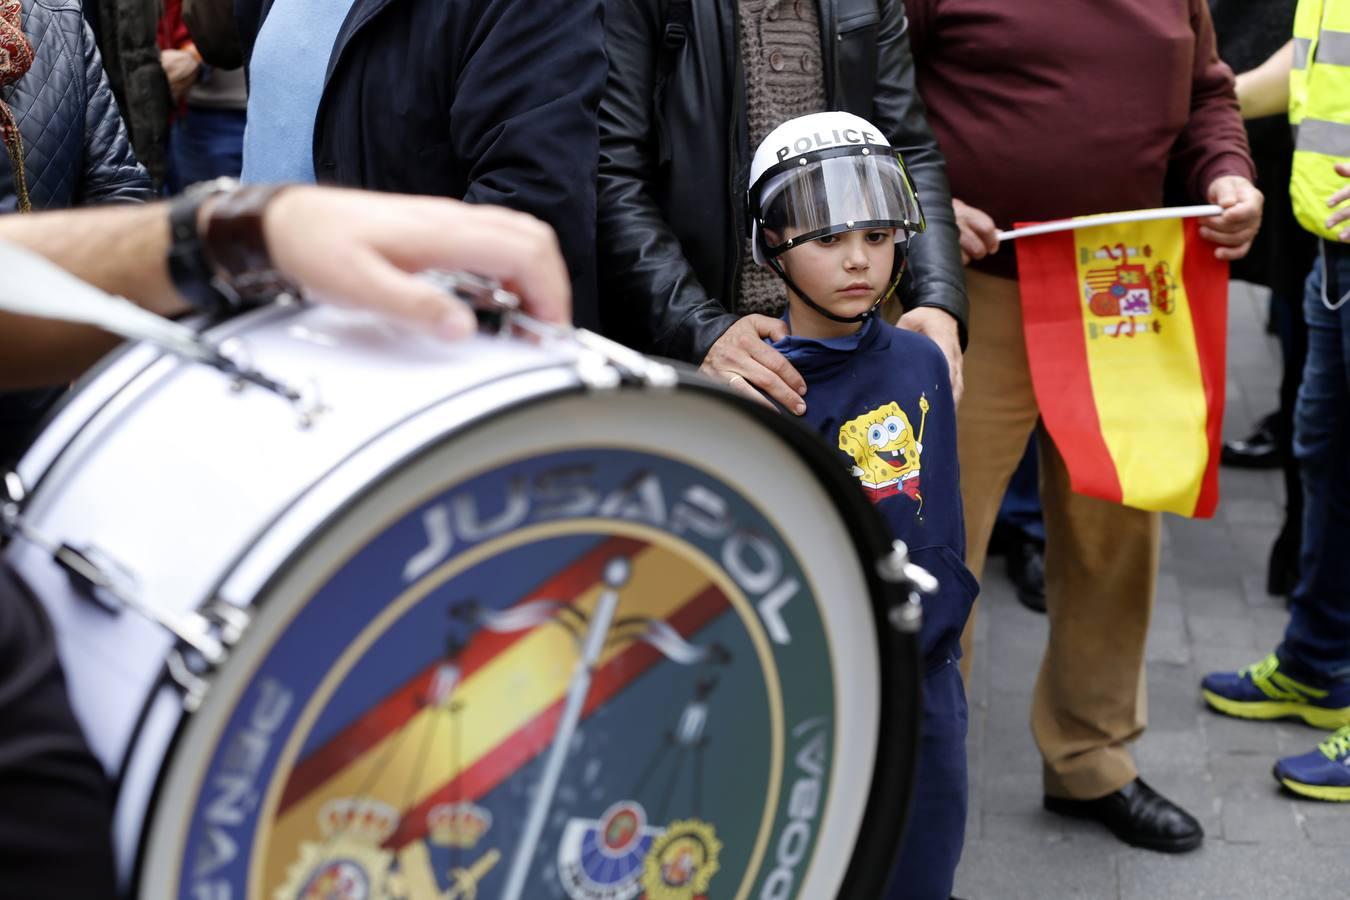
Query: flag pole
x=1137 y=215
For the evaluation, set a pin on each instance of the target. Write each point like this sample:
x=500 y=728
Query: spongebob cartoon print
x=886 y=452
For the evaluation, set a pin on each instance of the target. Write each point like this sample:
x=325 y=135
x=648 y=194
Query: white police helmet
x=824 y=174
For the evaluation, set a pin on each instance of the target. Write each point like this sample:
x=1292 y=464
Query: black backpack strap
x=673 y=36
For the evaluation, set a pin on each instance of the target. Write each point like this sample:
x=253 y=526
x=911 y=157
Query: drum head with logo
x=591 y=649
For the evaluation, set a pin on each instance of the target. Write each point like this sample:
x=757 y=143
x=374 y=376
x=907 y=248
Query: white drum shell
x=173 y=473
x=201 y=491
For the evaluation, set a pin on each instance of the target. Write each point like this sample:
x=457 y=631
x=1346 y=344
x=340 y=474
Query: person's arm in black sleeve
x=111 y=172
x=524 y=117
x=899 y=112
x=664 y=306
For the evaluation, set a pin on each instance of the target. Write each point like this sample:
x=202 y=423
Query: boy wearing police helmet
x=832 y=212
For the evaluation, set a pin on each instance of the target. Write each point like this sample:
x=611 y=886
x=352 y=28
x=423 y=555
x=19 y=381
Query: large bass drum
x=496 y=619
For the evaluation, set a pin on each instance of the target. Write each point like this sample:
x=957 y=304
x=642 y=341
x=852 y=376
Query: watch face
x=594 y=674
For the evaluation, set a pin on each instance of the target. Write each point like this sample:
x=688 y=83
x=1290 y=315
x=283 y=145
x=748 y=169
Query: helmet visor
x=838 y=193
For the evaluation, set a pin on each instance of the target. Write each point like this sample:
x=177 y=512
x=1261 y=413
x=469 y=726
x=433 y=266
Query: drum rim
x=883 y=819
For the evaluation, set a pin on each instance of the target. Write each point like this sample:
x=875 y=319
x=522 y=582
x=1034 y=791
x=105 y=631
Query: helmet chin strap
x=898 y=271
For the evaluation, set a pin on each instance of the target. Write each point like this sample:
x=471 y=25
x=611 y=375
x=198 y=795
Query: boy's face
x=845 y=273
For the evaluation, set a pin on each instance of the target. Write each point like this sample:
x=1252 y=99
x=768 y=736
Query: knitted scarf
x=16 y=56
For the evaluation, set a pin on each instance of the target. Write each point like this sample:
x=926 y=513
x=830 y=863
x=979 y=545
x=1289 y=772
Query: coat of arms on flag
x=1125 y=327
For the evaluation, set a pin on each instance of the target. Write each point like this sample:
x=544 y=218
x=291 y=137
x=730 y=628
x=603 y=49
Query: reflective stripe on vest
x=1333 y=48
x=1319 y=108
x=1302 y=47
x=1321 y=136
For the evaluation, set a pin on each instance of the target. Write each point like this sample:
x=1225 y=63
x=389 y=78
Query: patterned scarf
x=16 y=56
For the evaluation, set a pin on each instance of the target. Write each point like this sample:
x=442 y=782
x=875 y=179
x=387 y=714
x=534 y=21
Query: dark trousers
x=1291 y=327
x=55 y=802
x=1317 y=640
x=936 y=832
x=205 y=144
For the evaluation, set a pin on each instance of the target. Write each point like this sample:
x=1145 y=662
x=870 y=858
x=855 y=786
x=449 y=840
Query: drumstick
x=34 y=286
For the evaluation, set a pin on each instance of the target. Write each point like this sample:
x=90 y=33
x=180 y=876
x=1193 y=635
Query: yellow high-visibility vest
x=1319 y=109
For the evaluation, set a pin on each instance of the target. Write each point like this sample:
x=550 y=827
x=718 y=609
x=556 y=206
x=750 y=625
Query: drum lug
x=631 y=366
x=192 y=685
x=99 y=578
x=231 y=621
x=896 y=569
x=907 y=617
x=191 y=669
x=596 y=373
x=12 y=496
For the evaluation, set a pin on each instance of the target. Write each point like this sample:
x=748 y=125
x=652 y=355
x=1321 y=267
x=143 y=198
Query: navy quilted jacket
x=75 y=146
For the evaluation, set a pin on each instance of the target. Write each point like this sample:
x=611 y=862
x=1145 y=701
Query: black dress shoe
x=1025 y=560
x=1139 y=816
x=1258 y=450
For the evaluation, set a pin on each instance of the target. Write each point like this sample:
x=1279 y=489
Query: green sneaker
x=1262 y=691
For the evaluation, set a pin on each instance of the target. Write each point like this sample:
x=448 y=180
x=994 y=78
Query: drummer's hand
x=940 y=326
x=1241 y=219
x=742 y=359
x=979 y=234
x=359 y=248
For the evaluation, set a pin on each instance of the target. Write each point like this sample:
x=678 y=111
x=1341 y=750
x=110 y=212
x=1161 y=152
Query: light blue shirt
x=286 y=73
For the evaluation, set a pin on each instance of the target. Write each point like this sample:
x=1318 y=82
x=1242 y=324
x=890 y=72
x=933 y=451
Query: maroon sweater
x=1052 y=108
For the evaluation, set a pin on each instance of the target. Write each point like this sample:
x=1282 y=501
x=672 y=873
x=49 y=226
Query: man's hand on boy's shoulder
x=941 y=328
x=747 y=364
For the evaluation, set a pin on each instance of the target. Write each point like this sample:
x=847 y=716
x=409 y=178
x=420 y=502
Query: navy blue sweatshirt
x=884 y=397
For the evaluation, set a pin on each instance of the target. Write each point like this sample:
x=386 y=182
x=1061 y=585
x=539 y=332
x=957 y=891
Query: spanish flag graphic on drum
x=1125 y=326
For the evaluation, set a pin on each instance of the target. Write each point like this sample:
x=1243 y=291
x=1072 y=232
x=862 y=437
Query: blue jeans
x=931 y=848
x=205 y=144
x=1317 y=640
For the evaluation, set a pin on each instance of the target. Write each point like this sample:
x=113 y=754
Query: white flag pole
x=1138 y=215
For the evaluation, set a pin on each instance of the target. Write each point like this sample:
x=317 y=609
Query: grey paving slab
x=1172 y=702
x=1018 y=870
x=1170 y=751
x=1231 y=630
x=1168 y=642
x=1265 y=819
x=1215 y=594
x=1233 y=872
x=1211 y=613
x=1237 y=736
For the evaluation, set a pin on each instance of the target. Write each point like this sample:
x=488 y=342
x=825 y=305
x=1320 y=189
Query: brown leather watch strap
x=237 y=248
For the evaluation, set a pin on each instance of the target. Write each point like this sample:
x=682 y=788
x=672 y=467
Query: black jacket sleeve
x=898 y=111
x=665 y=307
x=111 y=173
x=524 y=114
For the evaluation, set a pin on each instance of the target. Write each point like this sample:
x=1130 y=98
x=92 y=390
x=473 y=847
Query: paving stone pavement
x=1211 y=612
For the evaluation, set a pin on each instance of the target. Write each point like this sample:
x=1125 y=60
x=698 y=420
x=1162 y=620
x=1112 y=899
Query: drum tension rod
x=896 y=569
x=309 y=408
x=100 y=579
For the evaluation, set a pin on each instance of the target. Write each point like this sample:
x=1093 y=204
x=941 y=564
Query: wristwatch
x=224 y=267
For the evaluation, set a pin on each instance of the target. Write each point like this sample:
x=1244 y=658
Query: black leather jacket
x=75 y=146
x=673 y=167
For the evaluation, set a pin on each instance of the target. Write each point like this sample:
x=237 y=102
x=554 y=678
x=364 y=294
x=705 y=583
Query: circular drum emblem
x=596 y=675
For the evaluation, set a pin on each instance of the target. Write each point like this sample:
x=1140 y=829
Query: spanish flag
x=1125 y=329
